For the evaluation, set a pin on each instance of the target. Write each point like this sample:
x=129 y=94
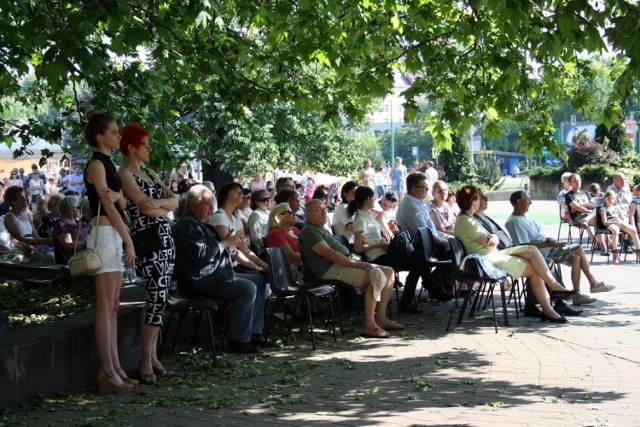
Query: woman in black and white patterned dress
x=148 y=201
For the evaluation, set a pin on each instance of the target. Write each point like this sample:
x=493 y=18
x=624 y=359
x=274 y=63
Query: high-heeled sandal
x=105 y=386
x=162 y=372
x=147 y=379
x=123 y=376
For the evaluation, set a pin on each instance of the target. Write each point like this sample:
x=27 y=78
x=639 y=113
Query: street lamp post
x=393 y=154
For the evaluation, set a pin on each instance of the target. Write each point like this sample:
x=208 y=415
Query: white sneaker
x=602 y=287
x=583 y=299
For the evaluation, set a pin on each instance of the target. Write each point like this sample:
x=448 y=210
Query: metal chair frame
x=487 y=285
x=181 y=306
x=284 y=285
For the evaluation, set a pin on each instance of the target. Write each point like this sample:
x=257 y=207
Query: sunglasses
x=287 y=212
x=266 y=199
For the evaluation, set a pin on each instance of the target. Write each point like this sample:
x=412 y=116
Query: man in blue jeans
x=204 y=267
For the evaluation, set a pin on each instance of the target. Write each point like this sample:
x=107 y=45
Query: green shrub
x=548 y=173
x=599 y=173
x=488 y=170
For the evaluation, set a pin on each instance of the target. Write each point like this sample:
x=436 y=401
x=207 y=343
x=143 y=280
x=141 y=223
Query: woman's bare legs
x=631 y=231
x=615 y=232
x=540 y=292
x=106 y=328
x=149 y=336
x=381 y=318
x=375 y=313
x=538 y=265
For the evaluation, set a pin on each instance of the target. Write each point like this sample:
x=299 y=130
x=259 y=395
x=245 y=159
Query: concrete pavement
x=585 y=373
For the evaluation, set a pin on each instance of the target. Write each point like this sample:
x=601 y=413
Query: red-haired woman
x=148 y=201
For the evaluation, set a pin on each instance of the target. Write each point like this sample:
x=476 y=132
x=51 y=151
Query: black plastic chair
x=487 y=284
x=430 y=252
x=570 y=223
x=201 y=306
x=284 y=285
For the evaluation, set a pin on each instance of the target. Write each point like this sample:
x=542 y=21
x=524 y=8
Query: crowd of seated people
x=230 y=229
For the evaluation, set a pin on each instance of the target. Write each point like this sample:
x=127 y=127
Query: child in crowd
x=594 y=190
x=41 y=211
x=614 y=220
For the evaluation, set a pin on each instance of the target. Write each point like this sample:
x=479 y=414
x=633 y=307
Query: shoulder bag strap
x=75 y=249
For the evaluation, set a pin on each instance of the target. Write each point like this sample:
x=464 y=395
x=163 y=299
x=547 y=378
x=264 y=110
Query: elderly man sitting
x=620 y=187
x=204 y=266
x=524 y=231
x=328 y=259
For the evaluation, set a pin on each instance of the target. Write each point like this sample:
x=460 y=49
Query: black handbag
x=147 y=240
x=401 y=246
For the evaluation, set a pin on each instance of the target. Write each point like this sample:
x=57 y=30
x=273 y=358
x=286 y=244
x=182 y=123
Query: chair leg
x=276 y=304
x=493 y=307
x=465 y=301
x=310 y=320
x=165 y=335
x=333 y=319
x=455 y=303
x=175 y=337
x=504 y=305
x=478 y=299
x=196 y=328
x=212 y=336
x=337 y=297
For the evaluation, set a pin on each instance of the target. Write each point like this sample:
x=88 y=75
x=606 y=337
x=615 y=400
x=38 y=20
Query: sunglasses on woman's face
x=266 y=199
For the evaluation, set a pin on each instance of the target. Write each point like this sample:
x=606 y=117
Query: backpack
x=401 y=245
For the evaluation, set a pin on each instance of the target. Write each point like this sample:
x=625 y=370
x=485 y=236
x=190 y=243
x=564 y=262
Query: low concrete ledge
x=62 y=356
x=498 y=196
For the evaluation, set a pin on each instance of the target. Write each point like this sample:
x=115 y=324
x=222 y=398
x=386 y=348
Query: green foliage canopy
x=156 y=61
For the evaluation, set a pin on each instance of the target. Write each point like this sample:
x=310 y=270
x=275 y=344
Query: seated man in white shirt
x=620 y=186
x=524 y=230
x=413 y=214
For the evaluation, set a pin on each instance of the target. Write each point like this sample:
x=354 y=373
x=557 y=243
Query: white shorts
x=109 y=248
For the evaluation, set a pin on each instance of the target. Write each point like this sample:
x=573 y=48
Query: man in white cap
x=328 y=259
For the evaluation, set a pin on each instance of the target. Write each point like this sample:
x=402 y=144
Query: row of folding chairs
x=283 y=286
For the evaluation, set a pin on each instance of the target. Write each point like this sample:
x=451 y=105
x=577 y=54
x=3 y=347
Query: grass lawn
x=547 y=218
x=511 y=184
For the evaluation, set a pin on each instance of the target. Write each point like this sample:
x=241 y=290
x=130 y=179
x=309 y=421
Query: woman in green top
x=517 y=261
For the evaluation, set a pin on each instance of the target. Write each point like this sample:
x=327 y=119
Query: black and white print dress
x=156 y=267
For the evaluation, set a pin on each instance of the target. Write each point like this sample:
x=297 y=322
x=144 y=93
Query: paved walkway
x=585 y=373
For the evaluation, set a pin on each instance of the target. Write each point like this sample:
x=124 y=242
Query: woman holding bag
x=103 y=190
x=148 y=201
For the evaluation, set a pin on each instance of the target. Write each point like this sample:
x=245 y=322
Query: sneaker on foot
x=583 y=299
x=602 y=287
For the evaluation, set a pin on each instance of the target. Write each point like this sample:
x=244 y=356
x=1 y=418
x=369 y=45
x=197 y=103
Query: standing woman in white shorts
x=103 y=185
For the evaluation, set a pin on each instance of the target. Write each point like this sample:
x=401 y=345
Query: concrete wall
x=546 y=190
x=538 y=190
x=62 y=356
